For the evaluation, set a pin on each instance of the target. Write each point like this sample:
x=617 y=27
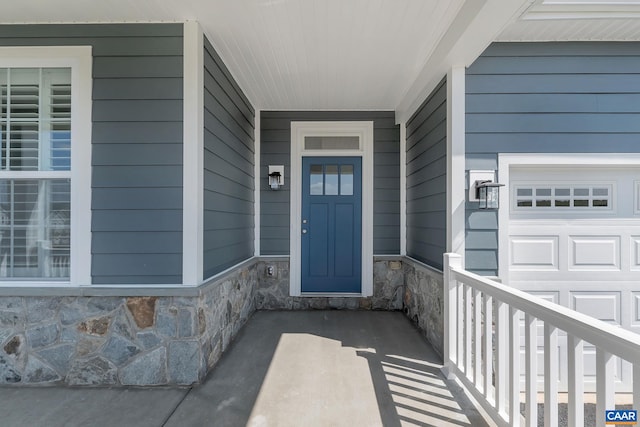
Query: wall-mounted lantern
x=484 y=190
x=488 y=194
x=276 y=176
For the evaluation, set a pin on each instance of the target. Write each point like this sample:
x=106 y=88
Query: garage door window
x=563 y=197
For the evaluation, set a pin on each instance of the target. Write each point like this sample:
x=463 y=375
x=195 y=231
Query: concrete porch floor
x=311 y=368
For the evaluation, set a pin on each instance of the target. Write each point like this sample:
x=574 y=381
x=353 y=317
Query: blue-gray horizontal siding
x=275 y=149
x=136 y=145
x=545 y=98
x=228 y=168
x=427 y=179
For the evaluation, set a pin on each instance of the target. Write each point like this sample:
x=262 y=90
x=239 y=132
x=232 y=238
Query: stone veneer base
x=176 y=340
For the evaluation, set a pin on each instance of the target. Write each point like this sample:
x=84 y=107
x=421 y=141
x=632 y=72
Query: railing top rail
x=613 y=339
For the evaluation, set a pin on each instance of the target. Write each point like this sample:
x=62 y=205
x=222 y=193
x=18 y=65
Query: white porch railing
x=477 y=339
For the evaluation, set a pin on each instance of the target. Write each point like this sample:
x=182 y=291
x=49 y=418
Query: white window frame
x=300 y=130
x=79 y=60
x=554 y=210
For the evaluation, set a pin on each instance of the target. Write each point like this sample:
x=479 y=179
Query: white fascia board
x=477 y=24
x=193 y=155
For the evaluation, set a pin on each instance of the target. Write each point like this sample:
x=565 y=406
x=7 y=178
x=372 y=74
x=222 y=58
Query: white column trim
x=403 y=188
x=456 y=161
x=299 y=130
x=193 y=155
x=81 y=83
x=258 y=178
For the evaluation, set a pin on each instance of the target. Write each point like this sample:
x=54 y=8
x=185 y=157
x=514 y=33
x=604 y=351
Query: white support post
x=193 y=156
x=575 y=363
x=450 y=314
x=514 y=367
x=258 y=178
x=501 y=358
x=550 y=375
x=403 y=189
x=605 y=391
x=456 y=196
x=531 y=368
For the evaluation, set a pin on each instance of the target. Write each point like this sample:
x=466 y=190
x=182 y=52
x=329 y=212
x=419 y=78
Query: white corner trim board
x=299 y=130
x=193 y=161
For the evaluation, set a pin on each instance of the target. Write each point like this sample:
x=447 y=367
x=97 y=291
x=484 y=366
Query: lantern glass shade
x=489 y=194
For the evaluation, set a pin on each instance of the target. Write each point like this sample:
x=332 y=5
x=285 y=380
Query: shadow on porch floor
x=327 y=368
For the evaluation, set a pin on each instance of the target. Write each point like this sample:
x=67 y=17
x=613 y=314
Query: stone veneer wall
x=109 y=340
x=424 y=301
x=272 y=292
x=175 y=340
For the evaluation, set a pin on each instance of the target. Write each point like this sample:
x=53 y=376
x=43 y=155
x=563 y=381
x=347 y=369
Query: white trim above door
x=364 y=131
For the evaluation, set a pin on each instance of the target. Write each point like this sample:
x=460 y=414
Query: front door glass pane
x=317 y=187
x=346 y=180
x=331 y=180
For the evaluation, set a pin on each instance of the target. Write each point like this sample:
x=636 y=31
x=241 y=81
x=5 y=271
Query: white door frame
x=507 y=160
x=299 y=130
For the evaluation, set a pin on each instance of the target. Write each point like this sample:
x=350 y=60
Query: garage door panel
x=573 y=235
x=594 y=253
x=635 y=309
x=532 y=253
x=635 y=253
x=604 y=306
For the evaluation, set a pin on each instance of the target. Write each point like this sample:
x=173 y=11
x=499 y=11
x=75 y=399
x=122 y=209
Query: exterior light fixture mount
x=276 y=176
x=484 y=190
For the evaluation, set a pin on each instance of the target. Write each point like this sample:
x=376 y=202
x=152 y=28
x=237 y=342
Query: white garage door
x=574 y=239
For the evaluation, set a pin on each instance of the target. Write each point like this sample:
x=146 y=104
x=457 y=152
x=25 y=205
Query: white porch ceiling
x=350 y=54
x=301 y=54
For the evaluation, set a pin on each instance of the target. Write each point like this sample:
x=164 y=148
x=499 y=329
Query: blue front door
x=332 y=224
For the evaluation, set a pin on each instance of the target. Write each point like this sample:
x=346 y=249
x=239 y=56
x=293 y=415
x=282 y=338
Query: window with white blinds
x=35 y=160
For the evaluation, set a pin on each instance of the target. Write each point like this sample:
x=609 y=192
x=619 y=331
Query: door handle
x=304 y=231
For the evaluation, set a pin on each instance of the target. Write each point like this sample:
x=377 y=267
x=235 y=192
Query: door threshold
x=330 y=295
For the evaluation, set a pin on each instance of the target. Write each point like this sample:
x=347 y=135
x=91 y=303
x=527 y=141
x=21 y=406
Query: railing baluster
x=501 y=358
x=477 y=337
x=487 y=360
x=487 y=366
x=514 y=367
x=550 y=375
x=468 y=330
x=531 y=368
x=605 y=391
x=460 y=331
x=576 y=381
x=636 y=385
